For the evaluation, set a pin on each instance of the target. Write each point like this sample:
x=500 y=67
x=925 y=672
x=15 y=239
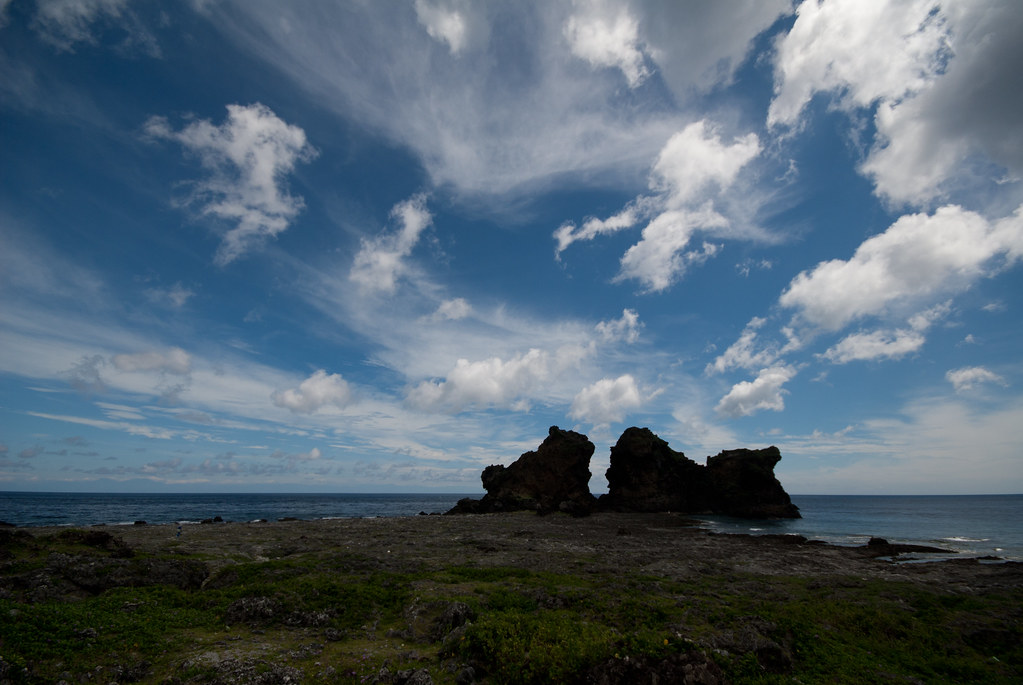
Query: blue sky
x=377 y=246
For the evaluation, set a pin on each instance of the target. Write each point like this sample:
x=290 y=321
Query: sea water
x=84 y=509
x=969 y=525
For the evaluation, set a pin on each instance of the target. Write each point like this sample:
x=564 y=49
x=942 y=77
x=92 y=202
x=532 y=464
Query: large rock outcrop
x=554 y=477
x=647 y=475
x=743 y=484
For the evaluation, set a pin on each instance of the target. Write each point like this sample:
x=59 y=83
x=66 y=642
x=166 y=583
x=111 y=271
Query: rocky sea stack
x=555 y=477
x=646 y=475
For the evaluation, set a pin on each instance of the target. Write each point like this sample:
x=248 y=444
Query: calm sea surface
x=971 y=525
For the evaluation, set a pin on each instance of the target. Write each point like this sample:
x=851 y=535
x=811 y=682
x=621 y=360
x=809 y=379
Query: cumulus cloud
x=495 y=382
x=490 y=382
x=659 y=258
x=941 y=76
x=625 y=329
x=875 y=345
x=314 y=393
x=916 y=258
x=925 y=143
x=764 y=392
x=607 y=401
x=248 y=158
x=693 y=168
x=887 y=344
x=862 y=51
x=174 y=360
x=969 y=377
x=695 y=159
x=607 y=35
x=380 y=261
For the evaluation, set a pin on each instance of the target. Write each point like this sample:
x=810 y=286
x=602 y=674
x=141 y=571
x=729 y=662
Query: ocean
x=969 y=525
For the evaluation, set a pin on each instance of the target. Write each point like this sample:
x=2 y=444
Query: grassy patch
x=332 y=620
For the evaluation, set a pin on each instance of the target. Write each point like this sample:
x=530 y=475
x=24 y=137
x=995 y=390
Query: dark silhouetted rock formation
x=555 y=477
x=647 y=475
x=743 y=484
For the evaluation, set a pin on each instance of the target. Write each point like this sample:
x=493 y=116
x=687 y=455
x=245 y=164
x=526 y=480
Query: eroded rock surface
x=554 y=477
x=646 y=475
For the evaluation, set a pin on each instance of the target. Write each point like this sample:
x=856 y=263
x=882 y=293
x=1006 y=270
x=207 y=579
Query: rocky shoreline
x=456 y=577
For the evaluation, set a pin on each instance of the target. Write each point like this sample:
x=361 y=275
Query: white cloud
x=694 y=167
x=657 y=261
x=625 y=329
x=696 y=159
x=452 y=310
x=743 y=353
x=925 y=143
x=875 y=345
x=969 y=377
x=380 y=261
x=314 y=393
x=863 y=51
x=887 y=344
x=497 y=383
x=444 y=23
x=916 y=258
x=567 y=233
x=174 y=360
x=121 y=426
x=607 y=401
x=942 y=77
x=488 y=383
x=248 y=157
x=764 y=392
x=606 y=35
x=523 y=110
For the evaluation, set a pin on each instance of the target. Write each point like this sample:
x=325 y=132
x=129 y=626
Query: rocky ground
x=725 y=604
x=658 y=544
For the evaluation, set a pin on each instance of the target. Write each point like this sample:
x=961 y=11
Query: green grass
x=339 y=622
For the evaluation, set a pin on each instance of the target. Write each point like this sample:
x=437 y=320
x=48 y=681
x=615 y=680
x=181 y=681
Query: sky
x=376 y=246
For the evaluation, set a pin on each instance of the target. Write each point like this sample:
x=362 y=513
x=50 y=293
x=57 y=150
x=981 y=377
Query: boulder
x=646 y=475
x=554 y=477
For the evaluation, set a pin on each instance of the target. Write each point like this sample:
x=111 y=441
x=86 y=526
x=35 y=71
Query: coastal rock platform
x=514 y=597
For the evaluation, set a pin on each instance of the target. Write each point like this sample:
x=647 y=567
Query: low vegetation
x=333 y=616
